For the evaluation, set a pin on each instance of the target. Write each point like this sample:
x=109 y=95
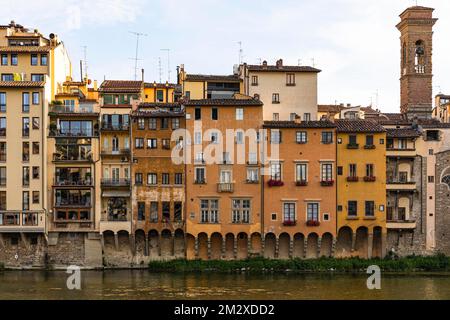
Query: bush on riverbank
x=407 y=264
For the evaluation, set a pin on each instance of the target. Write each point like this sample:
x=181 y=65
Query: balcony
x=352 y=179
x=24 y=221
x=70 y=110
x=225 y=187
x=115 y=183
x=58 y=157
x=289 y=223
x=369 y=179
x=200 y=181
x=369 y=146
x=400 y=152
x=72 y=183
x=115 y=152
x=401 y=224
x=401 y=185
x=312 y=223
x=115 y=127
x=73 y=133
x=352 y=146
x=301 y=183
x=73 y=204
x=275 y=183
x=327 y=183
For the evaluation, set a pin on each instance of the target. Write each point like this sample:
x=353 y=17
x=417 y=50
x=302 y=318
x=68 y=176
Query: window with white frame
x=209 y=210
x=289 y=212
x=275 y=136
x=214 y=137
x=197 y=138
x=152 y=178
x=301 y=172
x=239 y=114
x=326 y=172
x=239 y=137
x=252 y=158
x=301 y=137
x=312 y=211
x=225 y=176
x=200 y=175
x=252 y=175
x=240 y=211
x=275 y=171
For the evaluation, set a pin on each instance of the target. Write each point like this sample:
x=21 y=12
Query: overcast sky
x=354 y=42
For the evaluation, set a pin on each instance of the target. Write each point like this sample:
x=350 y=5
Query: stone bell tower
x=416 y=80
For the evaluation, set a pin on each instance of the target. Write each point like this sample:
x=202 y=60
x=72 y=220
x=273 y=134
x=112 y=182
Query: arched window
x=420 y=57
x=446 y=180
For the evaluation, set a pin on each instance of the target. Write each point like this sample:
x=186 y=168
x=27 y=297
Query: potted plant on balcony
x=327 y=183
x=289 y=223
x=53 y=128
x=301 y=183
x=275 y=183
x=312 y=223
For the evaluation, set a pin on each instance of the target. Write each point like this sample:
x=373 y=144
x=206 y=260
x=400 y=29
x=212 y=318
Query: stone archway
x=202 y=239
x=284 y=242
x=216 y=246
x=108 y=240
x=242 y=246
x=229 y=246
x=139 y=239
x=124 y=242
x=361 y=242
x=166 y=244
x=153 y=244
x=326 y=245
x=179 y=244
x=190 y=246
x=299 y=246
x=377 y=246
x=344 y=242
x=312 y=248
x=269 y=246
x=256 y=245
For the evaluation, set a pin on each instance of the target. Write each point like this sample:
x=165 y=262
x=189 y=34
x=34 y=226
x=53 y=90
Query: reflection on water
x=141 y=284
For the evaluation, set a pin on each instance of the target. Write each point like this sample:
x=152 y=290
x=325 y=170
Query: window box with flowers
x=289 y=223
x=369 y=179
x=369 y=146
x=301 y=183
x=312 y=223
x=275 y=183
x=352 y=179
x=326 y=183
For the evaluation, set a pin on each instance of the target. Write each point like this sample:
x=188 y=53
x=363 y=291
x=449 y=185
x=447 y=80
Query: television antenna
x=240 y=52
x=159 y=69
x=137 y=34
x=168 y=64
x=85 y=62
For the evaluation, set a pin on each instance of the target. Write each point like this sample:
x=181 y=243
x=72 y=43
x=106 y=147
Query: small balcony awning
x=113 y=193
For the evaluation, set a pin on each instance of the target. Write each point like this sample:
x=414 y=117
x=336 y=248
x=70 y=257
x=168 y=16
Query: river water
x=142 y=284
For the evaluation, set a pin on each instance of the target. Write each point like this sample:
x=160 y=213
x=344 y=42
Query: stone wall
x=442 y=203
x=22 y=250
x=68 y=249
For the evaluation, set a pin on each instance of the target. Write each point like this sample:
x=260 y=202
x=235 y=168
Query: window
x=139 y=143
x=2 y=127
x=432 y=135
x=177 y=211
x=214 y=114
x=14 y=59
x=430 y=152
x=252 y=175
x=352 y=140
x=292 y=116
x=2 y=102
x=307 y=116
x=327 y=137
x=25 y=127
x=239 y=114
x=312 y=212
x=166 y=211
x=275 y=171
x=175 y=123
x=35 y=147
x=301 y=172
x=4 y=59
x=165 y=178
x=352 y=208
x=197 y=138
x=275 y=116
x=225 y=176
x=34 y=59
x=36 y=98
x=252 y=158
x=152 y=123
x=188 y=94
x=209 y=211
x=327 y=172
x=7 y=77
x=166 y=144
x=25 y=102
x=164 y=123
x=214 y=137
x=275 y=98
x=138 y=178
x=370 y=209
x=151 y=143
x=275 y=136
x=254 y=80
x=340 y=170
x=141 y=123
x=239 y=137
x=37 y=77
x=289 y=212
x=43 y=59
x=369 y=140
x=25 y=151
x=153 y=211
x=198 y=114
x=402 y=144
x=159 y=96
x=141 y=211
x=200 y=175
x=2 y=151
x=152 y=179
x=352 y=170
x=301 y=136
x=290 y=79
x=430 y=179
x=403 y=176
x=25 y=200
x=35 y=197
x=3 y=201
x=2 y=176
x=369 y=170
x=179 y=178
x=240 y=211
x=25 y=176
x=35 y=172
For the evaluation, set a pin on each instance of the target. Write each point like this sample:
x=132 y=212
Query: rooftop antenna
x=240 y=52
x=376 y=99
x=85 y=62
x=168 y=63
x=259 y=60
x=137 y=34
x=159 y=69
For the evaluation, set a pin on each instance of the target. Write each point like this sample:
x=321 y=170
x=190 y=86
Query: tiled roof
x=21 y=84
x=121 y=86
x=159 y=105
x=358 y=126
x=155 y=113
x=329 y=108
x=439 y=125
x=224 y=102
x=268 y=68
x=159 y=85
x=211 y=77
x=303 y=124
x=402 y=133
x=443 y=96
x=25 y=49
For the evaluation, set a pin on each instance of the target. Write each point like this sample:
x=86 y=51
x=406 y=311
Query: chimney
x=298 y=119
x=280 y=63
x=264 y=64
x=349 y=105
x=256 y=96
